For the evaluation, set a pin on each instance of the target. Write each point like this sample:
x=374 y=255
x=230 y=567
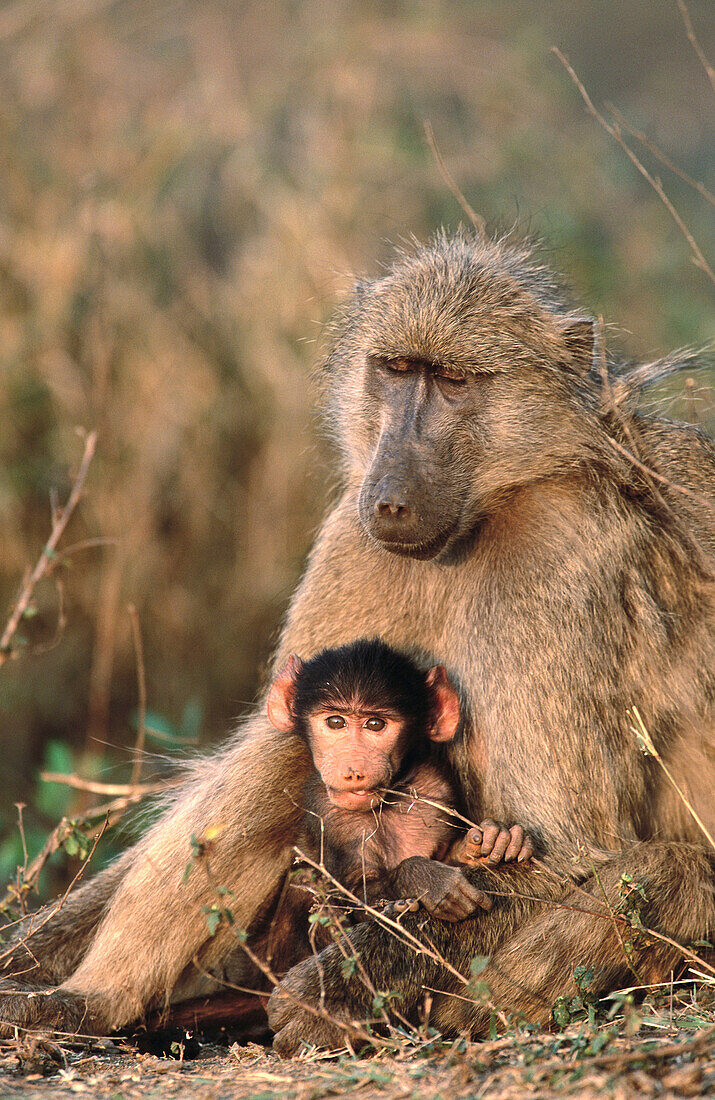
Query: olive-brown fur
x=557 y=584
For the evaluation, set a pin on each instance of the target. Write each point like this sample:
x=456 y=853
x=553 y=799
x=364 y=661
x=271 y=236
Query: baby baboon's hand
x=443 y=891
x=489 y=844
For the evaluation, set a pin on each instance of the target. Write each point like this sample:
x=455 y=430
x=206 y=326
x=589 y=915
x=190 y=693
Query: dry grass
x=664 y=1049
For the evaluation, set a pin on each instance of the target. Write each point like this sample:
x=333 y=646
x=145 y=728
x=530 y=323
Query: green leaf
x=561 y=1013
x=583 y=977
x=348 y=967
x=213 y=919
x=478 y=964
x=71 y=845
x=599 y=1042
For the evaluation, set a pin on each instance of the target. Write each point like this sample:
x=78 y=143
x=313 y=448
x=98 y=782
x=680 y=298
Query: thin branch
x=695 y=43
x=477 y=220
x=647 y=746
x=123 y=790
x=141 y=686
x=398 y=930
x=112 y=810
x=660 y=155
x=44 y=564
x=34 y=928
x=615 y=131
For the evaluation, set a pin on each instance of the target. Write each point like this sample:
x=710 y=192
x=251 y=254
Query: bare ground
x=662 y=1050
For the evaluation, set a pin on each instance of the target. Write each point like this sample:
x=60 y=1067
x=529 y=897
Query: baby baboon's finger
x=500 y=846
x=490 y=832
x=527 y=850
x=516 y=843
x=476 y=896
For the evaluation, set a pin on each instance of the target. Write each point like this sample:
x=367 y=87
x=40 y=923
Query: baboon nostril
x=390 y=509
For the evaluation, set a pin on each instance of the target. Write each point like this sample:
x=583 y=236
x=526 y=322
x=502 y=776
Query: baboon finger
x=515 y=844
x=490 y=832
x=527 y=850
x=449 y=910
x=476 y=896
x=500 y=846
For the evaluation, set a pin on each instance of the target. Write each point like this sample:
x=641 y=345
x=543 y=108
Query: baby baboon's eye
x=335 y=721
x=375 y=724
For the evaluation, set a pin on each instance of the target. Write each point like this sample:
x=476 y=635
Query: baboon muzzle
x=397 y=511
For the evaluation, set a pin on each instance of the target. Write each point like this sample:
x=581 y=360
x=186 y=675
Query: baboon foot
x=23 y=1009
x=293 y=1009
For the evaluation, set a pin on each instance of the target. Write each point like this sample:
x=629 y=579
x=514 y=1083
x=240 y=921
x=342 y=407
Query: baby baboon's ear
x=579 y=336
x=445 y=705
x=279 y=703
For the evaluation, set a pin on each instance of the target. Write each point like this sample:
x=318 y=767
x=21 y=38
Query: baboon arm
x=155 y=927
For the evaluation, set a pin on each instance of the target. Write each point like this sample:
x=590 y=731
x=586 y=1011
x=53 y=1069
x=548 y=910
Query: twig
x=646 y=743
x=141 y=686
x=112 y=810
x=125 y=790
x=476 y=219
x=34 y=928
x=695 y=43
x=658 y=477
x=660 y=155
x=398 y=930
x=44 y=564
x=614 y=920
x=615 y=131
x=321 y=1013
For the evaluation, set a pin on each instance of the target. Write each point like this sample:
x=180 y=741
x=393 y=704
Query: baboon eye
x=449 y=374
x=401 y=366
x=375 y=724
x=335 y=722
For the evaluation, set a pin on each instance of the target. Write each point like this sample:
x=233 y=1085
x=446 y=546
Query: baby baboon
x=371 y=719
x=492 y=520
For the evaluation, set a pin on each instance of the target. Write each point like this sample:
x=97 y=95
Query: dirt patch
x=663 y=1059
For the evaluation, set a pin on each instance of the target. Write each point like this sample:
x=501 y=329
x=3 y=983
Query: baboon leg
x=47 y=946
x=142 y=953
x=534 y=947
x=535 y=966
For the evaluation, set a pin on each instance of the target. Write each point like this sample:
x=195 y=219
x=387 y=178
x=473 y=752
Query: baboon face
x=457 y=385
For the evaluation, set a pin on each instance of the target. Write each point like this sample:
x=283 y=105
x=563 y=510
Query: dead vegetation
x=646 y=1041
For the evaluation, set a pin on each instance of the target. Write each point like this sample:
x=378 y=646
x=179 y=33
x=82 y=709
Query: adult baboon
x=491 y=521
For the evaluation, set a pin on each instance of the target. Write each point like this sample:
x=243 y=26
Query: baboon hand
x=443 y=891
x=488 y=844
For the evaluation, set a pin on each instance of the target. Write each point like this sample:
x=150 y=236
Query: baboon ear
x=445 y=705
x=580 y=339
x=279 y=703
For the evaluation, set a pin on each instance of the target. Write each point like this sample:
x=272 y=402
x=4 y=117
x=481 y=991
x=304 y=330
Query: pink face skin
x=356 y=751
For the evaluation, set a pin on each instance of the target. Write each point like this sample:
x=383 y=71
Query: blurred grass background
x=185 y=190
